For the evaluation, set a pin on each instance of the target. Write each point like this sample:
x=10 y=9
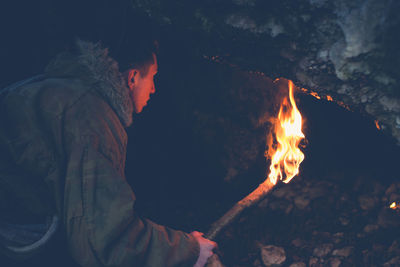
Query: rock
x=289 y=208
x=361 y=235
x=344 y=220
x=284 y=192
x=297 y=264
x=313 y=262
x=301 y=202
x=338 y=237
x=394 y=262
x=323 y=250
x=298 y=242
x=391 y=189
x=394 y=248
x=394 y=197
x=272 y=255
x=279 y=205
x=388 y=218
x=371 y=228
x=319 y=190
x=257 y=263
x=335 y=262
x=343 y=252
x=378 y=248
x=263 y=203
x=367 y=202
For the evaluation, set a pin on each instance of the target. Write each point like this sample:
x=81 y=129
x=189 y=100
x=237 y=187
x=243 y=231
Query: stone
x=257 y=263
x=394 y=248
x=289 y=208
x=322 y=250
x=313 y=261
x=369 y=228
x=394 y=197
x=335 y=262
x=297 y=242
x=367 y=202
x=318 y=190
x=301 y=202
x=272 y=255
x=392 y=262
x=343 y=252
x=388 y=218
x=284 y=192
x=279 y=205
x=263 y=203
x=338 y=237
x=344 y=220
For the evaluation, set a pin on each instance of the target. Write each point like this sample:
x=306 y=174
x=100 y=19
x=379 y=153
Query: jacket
x=62 y=150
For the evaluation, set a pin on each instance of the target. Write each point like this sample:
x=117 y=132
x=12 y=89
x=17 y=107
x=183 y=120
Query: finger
x=210 y=253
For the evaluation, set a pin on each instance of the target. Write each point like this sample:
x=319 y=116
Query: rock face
x=345 y=49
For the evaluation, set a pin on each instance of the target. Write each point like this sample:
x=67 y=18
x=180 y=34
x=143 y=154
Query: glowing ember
x=286 y=157
x=314 y=94
x=377 y=125
x=394 y=206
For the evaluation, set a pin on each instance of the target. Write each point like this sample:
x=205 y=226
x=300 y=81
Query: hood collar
x=93 y=64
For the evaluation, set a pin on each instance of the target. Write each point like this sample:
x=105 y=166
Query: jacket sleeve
x=101 y=224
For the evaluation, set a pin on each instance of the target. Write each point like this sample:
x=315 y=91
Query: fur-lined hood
x=92 y=64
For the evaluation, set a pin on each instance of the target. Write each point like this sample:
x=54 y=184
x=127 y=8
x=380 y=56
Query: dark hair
x=137 y=43
x=138 y=55
x=128 y=34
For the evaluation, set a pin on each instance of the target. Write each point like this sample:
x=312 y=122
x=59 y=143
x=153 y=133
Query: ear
x=132 y=74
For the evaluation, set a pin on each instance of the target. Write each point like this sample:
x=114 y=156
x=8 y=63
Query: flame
x=377 y=125
x=394 y=206
x=314 y=94
x=287 y=129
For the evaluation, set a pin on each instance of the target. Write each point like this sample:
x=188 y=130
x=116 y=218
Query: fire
x=314 y=94
x=286 y=158
x=377 y=125
x=394 y=206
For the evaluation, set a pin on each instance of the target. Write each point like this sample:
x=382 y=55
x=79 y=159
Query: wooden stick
x=254 y=197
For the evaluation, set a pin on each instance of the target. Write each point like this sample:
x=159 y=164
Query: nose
x=153 y=89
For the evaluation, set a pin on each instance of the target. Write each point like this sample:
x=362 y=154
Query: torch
x=283 y=149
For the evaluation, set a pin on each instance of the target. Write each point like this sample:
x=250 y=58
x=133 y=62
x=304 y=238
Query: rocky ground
x=317 y=222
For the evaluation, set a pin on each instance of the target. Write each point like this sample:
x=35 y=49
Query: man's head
x=137 y=61
x=140 y=80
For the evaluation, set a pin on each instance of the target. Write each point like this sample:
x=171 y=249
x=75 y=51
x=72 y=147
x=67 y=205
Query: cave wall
x=344 y=49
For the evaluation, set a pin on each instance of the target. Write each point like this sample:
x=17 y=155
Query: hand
x=206 y=247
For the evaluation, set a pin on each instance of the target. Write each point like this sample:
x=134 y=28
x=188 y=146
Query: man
x=62 y=159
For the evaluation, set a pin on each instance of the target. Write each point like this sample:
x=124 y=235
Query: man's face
x=142 y=85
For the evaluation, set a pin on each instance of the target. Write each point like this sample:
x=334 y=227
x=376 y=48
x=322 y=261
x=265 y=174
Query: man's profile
x=62 y=161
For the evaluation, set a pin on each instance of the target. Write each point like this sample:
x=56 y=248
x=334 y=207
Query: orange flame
x=287 y=129
x=394 y=206
x=377 y=125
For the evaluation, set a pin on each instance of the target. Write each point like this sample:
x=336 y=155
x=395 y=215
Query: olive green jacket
x=62 y=150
